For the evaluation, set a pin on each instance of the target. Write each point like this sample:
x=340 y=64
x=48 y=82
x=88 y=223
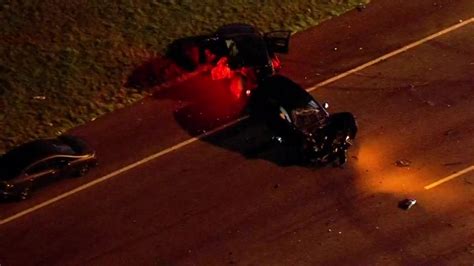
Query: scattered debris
x=277 y=139
x=430 y=103
x=335 y=49
x=406 y=204
x=450 y=132
x=403 y=163
x=470 y=249
x=360 y=7
x=39 y=97
x=450 y=225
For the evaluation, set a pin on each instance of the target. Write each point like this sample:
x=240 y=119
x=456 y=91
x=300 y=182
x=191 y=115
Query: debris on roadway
x=406 y=204
x=39 y=97
x=361 y=7
x=403 y=163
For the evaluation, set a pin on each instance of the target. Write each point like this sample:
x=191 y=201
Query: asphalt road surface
x=207 y=202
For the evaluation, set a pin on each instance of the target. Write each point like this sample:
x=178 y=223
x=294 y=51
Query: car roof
x=24 y=155
x=236 y=29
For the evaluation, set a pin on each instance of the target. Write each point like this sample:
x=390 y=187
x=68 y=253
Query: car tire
x=25 y=193
x=82 y=171
x=340 y=158
x=345 y=122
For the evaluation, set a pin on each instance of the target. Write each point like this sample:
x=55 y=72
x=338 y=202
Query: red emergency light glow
x=276 y=62
x=221 y=70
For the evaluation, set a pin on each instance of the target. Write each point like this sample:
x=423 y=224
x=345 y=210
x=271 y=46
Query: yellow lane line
x=189 y=141
x=446 y=179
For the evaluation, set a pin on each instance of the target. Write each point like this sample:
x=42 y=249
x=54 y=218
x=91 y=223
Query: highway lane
x=231 y=204
x=138 y=123
x=149 y=127
x=357 y=37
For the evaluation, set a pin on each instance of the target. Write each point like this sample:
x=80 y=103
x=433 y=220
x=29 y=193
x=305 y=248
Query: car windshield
x=309 y=118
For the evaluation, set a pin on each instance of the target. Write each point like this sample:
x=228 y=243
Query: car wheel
x=340 y=158
x=81 y=171
x=25 y=193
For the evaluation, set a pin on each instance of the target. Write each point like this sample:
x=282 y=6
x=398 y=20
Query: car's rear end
x=8 y=171
x=252 y=49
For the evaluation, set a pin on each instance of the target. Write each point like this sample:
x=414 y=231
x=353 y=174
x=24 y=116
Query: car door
x=43 y=172
x=278 y=41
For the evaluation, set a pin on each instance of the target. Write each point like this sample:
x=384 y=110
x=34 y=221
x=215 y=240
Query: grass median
x=64 y=63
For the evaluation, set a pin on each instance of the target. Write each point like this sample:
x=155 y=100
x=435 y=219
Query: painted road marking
x=194 y=139
x=446 y=179
x=117 y=172
x=391 y=54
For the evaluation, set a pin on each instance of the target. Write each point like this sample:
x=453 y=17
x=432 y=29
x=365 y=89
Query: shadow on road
x=204 y=104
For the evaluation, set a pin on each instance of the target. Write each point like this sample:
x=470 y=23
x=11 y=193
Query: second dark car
x=243 y=46
x=40 y=162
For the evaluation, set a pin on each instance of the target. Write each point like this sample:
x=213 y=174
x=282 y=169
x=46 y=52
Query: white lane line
x=117 y=172
x=446 y=179
x=189 y=141
x=391 y=54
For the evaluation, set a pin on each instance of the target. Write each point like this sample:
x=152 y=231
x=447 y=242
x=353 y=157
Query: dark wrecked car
x=233 y=49
x=301 y=123
x=37 y=163
x=241 y=53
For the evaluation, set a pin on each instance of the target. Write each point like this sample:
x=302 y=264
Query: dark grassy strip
x=63 y=63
